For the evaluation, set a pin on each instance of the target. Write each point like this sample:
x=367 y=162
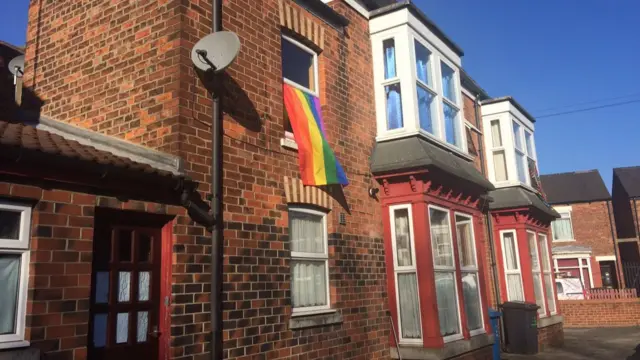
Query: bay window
x=535 y=270
x=511 y=263
x=549 y=283
x=469 y=269
x=15 y=222
x=406 y=276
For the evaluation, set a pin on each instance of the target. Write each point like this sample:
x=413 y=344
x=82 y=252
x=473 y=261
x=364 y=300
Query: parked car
x=569 y=289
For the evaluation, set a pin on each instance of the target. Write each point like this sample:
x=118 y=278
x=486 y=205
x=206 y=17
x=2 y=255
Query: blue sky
x=548 y=54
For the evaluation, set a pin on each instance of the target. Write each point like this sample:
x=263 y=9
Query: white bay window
x=511 y=262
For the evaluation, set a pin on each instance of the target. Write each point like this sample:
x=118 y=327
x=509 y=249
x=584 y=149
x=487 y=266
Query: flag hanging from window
x=318 y=163
x=535 y=178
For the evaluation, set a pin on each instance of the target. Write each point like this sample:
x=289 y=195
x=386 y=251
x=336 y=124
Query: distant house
x=625 y=193
x=583 y=238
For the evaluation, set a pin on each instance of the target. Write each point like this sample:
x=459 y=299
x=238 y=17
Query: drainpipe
x=615 y=245
x=494 y=268
x=216 y=207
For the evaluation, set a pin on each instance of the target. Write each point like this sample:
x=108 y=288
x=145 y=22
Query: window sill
x=288 y=143
x=563 y=241
x=14 y=344
x=314 y=319
x=451 y=349
x=550 y=320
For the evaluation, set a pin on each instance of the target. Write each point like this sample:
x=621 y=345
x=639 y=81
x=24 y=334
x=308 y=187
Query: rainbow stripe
x=318 y=164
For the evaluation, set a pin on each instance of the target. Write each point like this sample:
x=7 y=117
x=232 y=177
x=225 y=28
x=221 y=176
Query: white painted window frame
x=302 y=256
x=18 y=247
x=537 y=270
x=316 y=93
x=406 y=74
x=404 y=269
x=565 y=213
x=580 y=257
x=471 y=269
x=504 y=261
x=524 y=151
x=495 y=149
x=447 y=269
x=548 y=272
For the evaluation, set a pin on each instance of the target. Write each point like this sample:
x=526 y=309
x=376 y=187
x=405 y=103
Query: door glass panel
x=143 y=285
x=143 y=326
x=122 y=328
x=124 y=245
x=102 y=287
x=10 y=224
x=99 y=330
x=144 y=248
x=124 y=286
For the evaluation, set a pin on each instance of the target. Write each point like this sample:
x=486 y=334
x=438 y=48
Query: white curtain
x=403 y=245
x=537 y=290
x=309 y=286
x=510 y=252
x=447 y=303
x=409 y=307
x=548 y=284
x=394 y=106
x=9 y=281
x=306 y=232
x=562 y=229
x=451 y=128
x=472 y=300
x=496 y=136
x=389 y=58
x=522 y=173
x=500 y=165
x=422 y=63
x=448 y=85
x=514 y=287
x=425 y=99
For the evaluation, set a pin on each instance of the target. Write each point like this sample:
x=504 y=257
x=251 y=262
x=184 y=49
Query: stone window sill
x=287 y=142
x=14 y=344
x=549 y=320
x=451 y=349
x=310 y=320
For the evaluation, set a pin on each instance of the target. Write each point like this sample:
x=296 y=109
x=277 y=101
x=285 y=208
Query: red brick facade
x=601 y=313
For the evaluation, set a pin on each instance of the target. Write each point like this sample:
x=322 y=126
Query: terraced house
x=355 y=196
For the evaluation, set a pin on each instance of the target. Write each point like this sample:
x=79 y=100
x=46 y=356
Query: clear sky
x=548 y=54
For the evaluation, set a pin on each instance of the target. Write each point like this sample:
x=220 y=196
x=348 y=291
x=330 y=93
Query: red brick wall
x=551 y=336
x=123 y=68
x=601 y=313
x=477 y=144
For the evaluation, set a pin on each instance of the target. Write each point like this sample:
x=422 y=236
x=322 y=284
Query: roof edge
x=513 y=102
x=408 y=4
x=116 y=146
x=324 y=12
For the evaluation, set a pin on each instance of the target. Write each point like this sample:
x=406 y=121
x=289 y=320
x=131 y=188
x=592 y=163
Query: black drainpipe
x=615 y=246
x=216 y=206
x=494 y=269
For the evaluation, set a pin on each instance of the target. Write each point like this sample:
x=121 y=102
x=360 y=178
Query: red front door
x=125 y=293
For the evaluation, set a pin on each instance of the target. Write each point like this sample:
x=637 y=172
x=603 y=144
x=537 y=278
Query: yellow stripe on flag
x=316 y=142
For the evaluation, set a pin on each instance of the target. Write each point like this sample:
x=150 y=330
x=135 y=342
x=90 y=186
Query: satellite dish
x=215 y=51
x=16 y=66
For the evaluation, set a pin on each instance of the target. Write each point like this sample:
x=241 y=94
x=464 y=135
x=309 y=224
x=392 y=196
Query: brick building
x=625 y=192
x=583 y=238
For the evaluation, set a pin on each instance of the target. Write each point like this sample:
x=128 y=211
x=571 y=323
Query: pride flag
x=318 y=164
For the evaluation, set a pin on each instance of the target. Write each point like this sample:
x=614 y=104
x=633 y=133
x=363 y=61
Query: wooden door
x=125 y=293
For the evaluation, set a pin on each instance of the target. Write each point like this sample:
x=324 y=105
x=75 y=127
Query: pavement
x=592 y=344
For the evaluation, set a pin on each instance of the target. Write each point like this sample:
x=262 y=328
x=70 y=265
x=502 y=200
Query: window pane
x=122 y=328
x=143 y=326
x=389 y=48
x=510 y=256
x=496 y=136
x=306 y=232
x=544 y=251
x=124 y=286
x=548 y=284
x=403 y=237
x=102 y=287
x=409 y=306
x=465 y=243
x=394 y=106
x=448 y=82
x=500 y=166
x=517 y=140
x=533 y=253
x=441 y=238
x=451 y=124
x=297 y=65
x=143 y=285
x=124 y=245
x=10 y=224
x=522 y=174
x=447 y=303
x=423 y=65
x=99 y=330
x=144 y=248
x=537 y=290
x=309 y=286
x=10 y=281
x=528 y=138
x=425 y=109
x=514 y=287
x=561 y=229
x=472 y=300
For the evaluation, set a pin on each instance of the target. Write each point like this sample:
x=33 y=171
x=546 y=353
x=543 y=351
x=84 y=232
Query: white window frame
x=302 y=256
x=580 y=257
x=524 y=151
x=18 y=247
x=447 y=269
x=404 y=269
x=565 y=213
x=548 y=272
x=538 y=271
x=495 y=149
x=315 y=93
x=469 y=269
x=406 y=73
x=504 y=261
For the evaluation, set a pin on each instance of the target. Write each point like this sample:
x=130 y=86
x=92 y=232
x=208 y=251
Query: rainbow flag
x=318 y=164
